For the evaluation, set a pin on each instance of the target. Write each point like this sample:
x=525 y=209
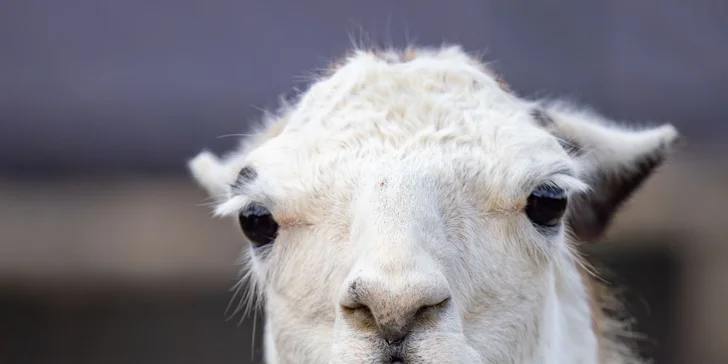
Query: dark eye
x=546 y=205
x=258 y=225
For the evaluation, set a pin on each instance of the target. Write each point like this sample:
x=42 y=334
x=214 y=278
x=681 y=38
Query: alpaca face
x=447 y=252
x=409 y=209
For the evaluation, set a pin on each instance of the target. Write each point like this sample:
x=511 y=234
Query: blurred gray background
x=107 y=256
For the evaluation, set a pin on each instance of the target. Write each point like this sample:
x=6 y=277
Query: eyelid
x=569 y=184
x=232 y=206
x=253 y=208
x=549 y=191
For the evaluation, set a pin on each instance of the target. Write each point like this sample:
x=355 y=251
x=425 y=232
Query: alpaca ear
x=613 y=160
x=210 y=174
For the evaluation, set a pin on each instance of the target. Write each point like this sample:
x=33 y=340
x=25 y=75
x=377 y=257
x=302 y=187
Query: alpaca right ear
x=211 y=174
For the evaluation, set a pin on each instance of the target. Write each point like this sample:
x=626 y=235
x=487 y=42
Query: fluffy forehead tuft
x=371 y=104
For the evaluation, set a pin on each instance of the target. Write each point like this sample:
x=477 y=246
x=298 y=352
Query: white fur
x=410 y=176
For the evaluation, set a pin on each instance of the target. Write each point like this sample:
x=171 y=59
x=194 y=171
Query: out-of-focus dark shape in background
x=107 y=256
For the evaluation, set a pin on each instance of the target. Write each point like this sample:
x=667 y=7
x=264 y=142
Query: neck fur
x=575 y=327
x=567 y=334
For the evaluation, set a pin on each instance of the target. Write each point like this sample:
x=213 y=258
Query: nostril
x=361 y=314
x=351 y=306
x=424 y=310
x=442 y=303
x=355 y=308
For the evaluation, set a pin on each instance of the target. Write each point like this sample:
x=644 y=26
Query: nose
x=393 y=304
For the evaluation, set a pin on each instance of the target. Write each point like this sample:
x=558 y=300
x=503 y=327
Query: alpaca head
x=408 y=208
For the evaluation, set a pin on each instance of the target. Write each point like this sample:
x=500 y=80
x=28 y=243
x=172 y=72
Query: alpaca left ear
x=613 y=160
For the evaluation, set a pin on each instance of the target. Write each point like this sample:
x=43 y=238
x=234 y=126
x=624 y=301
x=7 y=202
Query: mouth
x=396 y=359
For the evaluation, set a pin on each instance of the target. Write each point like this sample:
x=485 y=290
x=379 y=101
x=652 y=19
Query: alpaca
x=408 y=207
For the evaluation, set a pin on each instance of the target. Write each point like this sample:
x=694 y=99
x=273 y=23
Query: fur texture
x=399 y=180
